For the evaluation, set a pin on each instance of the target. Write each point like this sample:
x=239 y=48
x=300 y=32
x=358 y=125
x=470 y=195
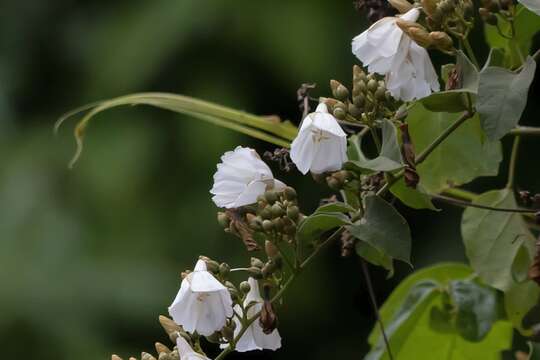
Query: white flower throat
x=318 y=135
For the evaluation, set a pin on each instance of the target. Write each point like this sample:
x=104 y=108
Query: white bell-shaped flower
x=321 y=144
x=203 y=304
x=254 y=338
x=533 y=5
x=186 y=352
x=385 y=49
x=240 y=178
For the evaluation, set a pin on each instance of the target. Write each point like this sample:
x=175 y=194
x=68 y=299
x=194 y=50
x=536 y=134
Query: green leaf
x=339 y=207
x=455 y=100
x=520 y=266
x=495 y=58
x=269 y=129
x=383 y=228
x=502 y=96
x=417 y=339
x=526 y=26
x=518 y=301
x=313 y=226
x=460 y=158
x=493 y=238
x=405 y=318
x=414 y=198
x=375 y=256
x=476 y=308
x=389 y=158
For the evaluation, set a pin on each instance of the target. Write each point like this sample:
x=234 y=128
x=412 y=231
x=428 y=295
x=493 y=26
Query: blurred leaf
x=495 y=58
x=216 y=114
x=414 y=338
x=468 y=73
x=414 y=198
x=520 y=266
x=462 y=157
x=375 y=256
x=389 y=158
x=493 y=238
x=384 y=228
x=404 y=322
x=476 y=308
x=502 y=96
x=313 y=226
x=526 y=26
x=335 y=207
x=518 y=301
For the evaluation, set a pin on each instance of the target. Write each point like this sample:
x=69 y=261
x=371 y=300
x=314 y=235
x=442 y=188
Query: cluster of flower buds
x=437 y=39
x=341 y=179
x=490 y=8
x=449 y=15
x=370 y=99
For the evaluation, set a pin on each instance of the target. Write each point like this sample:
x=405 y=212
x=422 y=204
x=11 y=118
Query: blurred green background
x=90 y=257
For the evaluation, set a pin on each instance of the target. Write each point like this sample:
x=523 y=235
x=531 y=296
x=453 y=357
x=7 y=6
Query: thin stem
x=470 y=51
x=449 y=130
x=525 y=131
x=464 y=203
x=375 y=307
x=513 y=163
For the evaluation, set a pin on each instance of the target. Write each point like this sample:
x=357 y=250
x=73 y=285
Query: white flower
x=385 y=49
x=533 y=5
x=254 y=338
x=321 y=144
x=240 y=178
x=186 y=352
x=203 y=304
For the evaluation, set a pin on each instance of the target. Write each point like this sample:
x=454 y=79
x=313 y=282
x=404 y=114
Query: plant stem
x=525 y=131
x=464 y=203
x=470 y=51
x=513 y=163
x=375 y=307
x=449 y=130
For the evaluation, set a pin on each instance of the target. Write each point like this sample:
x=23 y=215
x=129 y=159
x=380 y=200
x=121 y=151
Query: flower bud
x=271 y=196
x=170 y=327
x=164 y=356
x=359 y=100
x=380 y=94
x=441 y=40
x=147 y=356
x=212 y=266
x=429 y=6
x=339 y=113
x=174 y=355
x=223 y=219
x=420 y=36
x=268 y=318
x=115 y=357
x=401 y=5
x=256 y=262
x=254 y=222
x=228 y=333
x=224 y=269
x=289 y=193
x=334 y=183
x=245 y=287
x=267 y=225
x=277 y=210
x=268 y=269
x=293 y=212
x=339 y=91
x=372 y=85
x=255 y=272
x=270 y=249
x=160 y=348
x=278 y=224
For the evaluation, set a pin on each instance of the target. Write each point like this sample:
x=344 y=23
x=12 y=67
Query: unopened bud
x=380 y=93
x=160 y=348
x=445 y=7
x=359 y=100
x=271 y=196
x=255 y=272
x=212 y=266
x=223 y=219
x=256 y=262
x=268 y=318
x=339 y=113
x=429 y=6
x=372 y=85
x=267 y=225
x=420 y=36
x=277 y=210
x=224 y=269
x=290 y=193
x=115 y=357
x=228 y=333
x=174 y=355
x=401 y=5
x=441 y=40
x=268 y=269
x=339 y=91
x=164 y=356
x=333 y=183
x=278 y=224
x=254 y=222
x=293 y=212
x=147 y=356
x=245 y=287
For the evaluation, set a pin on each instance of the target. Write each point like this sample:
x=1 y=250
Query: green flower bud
x=277 y=210
x=268 y=269
x=147 y=356
x=339 y=91
x=339 y=113
x=223 y=219
x=245 y=287
x=290 y=193
x=160 y=348
x=254 y=222
x=255 y=272
x=290 y=229
x=380 y=93
x=267 y=225
x=212 y=266
x=174 y=355
x=271 y=196
x=354 y=110
x=115 y=357
x=266 y=213
x=293 y=212
x=372 y=85
x=164 y=356
x=362 y=87
x=359 y=100
x=445 y=6
x=333 y=183
x=256 y=263
x=224 y=269
x=278 y=224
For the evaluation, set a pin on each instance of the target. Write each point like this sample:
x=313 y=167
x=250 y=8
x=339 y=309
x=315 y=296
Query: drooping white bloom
x=533 y=5
x=254 y=338
x=385 y=49
x=321 y=144
x=203 y=304
x=186 y=352
x=240 y=178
